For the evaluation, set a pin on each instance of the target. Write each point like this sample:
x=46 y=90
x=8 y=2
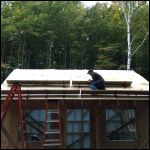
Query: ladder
x=15 y=89
x=52 y=136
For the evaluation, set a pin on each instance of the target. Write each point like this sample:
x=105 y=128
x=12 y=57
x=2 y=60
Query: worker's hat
x=90 y=71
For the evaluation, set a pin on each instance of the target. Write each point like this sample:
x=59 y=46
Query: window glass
x=78 y=128
x=77 y=115
x=121 y=124
x=70 y=115
x=69 y=127
x=35 y=120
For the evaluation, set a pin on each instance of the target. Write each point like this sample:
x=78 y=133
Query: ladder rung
x=52 y=121
x=53 y=129
x=55 y=112
x=56 y=144
x=52 y=132
x=52 y=110
x=53 y=140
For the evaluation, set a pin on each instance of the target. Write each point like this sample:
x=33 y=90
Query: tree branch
x=136 y=34
x=141 y=43
x=134 y=38
x=123 y=8
x=131 y=10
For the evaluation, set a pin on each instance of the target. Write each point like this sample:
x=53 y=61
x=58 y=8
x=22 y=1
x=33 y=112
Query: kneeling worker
x=97 y=81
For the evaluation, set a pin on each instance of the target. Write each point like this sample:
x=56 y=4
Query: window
x=34 y=125
x=120 y=124
x=78 y=128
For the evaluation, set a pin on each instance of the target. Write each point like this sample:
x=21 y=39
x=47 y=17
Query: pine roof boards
x=73 y=84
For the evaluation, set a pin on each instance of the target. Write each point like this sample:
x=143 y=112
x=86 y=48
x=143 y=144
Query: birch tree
x=128 y=8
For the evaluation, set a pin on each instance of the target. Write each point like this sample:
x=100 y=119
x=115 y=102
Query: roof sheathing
x=139 y=85
x=76 y=75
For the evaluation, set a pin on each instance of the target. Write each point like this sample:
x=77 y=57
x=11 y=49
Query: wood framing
x=124 y=90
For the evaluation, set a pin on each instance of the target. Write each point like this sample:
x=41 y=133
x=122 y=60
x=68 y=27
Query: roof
x=75 y=81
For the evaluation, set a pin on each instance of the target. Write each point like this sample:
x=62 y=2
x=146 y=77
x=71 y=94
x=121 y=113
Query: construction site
x=56 y=109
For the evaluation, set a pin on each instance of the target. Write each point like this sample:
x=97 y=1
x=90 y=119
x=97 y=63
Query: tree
x=65 y=35
x=128 y=12
x=128 y=8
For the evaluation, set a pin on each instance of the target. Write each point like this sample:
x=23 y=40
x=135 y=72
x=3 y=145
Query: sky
x=91 y=3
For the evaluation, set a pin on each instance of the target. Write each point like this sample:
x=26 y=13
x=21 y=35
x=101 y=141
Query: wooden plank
x=107 y=83
x=83 y=95
x=90 y=98
x=115 y=92
x=42 y=96
x=10 y=139
x=61 y=83
x=41 y=82
x=44 y=85
x=47 y=91
x=77 y=90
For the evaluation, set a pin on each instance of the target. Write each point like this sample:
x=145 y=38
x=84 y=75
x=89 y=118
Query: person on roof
x=97 y=81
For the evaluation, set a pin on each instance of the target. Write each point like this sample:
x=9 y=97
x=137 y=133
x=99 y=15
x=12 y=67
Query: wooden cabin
x=114 y=118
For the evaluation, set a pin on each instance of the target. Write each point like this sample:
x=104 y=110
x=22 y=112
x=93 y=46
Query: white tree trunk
x=128 y=10
x=129 y=46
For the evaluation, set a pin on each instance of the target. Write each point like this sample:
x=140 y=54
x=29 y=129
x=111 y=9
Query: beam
x=127 y=123
x=90 y=99
x=33 y=119
x=41 y=82
x=52 y=90
x=80 y=139
x=38 y=96
x=113 y=117
x=36 y=128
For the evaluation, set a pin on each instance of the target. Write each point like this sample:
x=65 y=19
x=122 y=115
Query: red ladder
x=52 y=135
x=15 y=89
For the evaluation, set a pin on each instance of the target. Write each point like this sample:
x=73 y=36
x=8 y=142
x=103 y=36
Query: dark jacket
x=97 y=77
x=98 y=80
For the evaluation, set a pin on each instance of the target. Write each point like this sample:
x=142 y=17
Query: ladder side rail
x=20 y=105
x=6 y=103
x=15 y=89
x=60 y=125
x=24 y=125
x=25 y=129
x=45 y=123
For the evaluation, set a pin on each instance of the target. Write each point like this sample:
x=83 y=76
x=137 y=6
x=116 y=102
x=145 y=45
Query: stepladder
x=15 y=90
x=52 y=135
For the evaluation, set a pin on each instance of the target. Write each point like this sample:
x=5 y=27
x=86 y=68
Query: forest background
x=67 y=35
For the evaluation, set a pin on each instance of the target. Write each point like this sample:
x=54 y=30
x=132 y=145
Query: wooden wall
x=11 y=125
x=142 y=123
x=98 y=126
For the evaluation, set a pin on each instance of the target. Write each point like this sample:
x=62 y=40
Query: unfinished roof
x=77 y=75
x=53 y=81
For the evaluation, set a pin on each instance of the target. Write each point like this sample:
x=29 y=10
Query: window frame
x=135 y=122
x=82 y=122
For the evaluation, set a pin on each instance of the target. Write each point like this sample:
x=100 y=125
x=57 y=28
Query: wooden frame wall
x=98 y=126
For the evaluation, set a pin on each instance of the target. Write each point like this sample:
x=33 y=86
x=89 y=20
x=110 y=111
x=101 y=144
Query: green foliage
x=65 y=35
